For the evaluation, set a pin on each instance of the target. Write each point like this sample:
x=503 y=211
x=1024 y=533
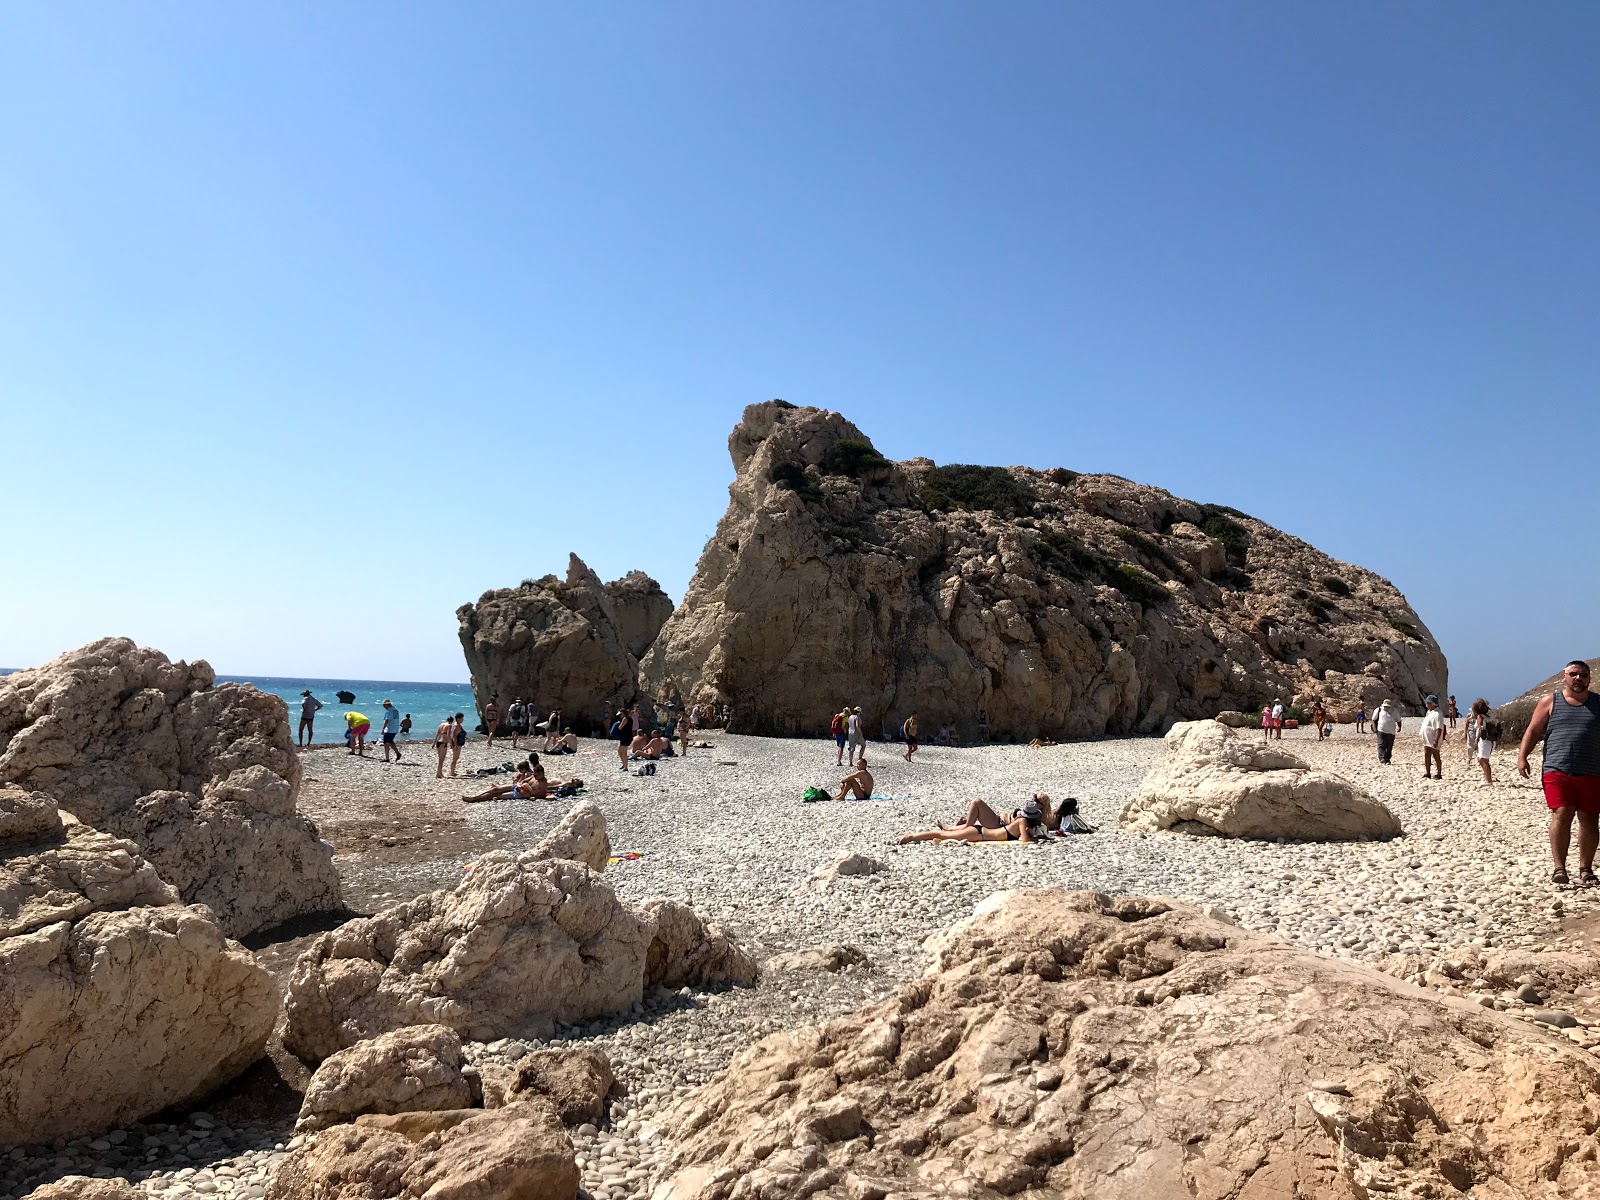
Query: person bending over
x=858 y=783
x=1028 y=825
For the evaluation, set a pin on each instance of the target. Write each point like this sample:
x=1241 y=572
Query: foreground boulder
x=1010 y=602
x=202 y=778
x=520 y=944
x=1064 y=1044
x=519 y=1152
x=1218 y=783
x=553 y=641
x=107 y=1019
x=408 y=1070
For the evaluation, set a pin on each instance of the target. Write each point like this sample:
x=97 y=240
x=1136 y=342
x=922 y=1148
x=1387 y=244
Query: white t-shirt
x=1432 y=728
x=855 y=728
x=1383 y=720
x=1277 y=712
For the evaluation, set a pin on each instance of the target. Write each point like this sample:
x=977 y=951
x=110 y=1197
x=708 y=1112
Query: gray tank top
x=1572 y=740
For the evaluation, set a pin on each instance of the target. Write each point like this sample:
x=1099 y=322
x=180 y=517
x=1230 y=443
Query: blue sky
x=316 y=321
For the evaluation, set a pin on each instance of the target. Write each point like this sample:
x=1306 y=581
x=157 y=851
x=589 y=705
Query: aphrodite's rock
x=580 y=836
x=641 y=608
x=557 y=643
x=520 y=1152
x=1216 y=782
x=203 y=778
x=688 y=952
x=108 y=1019
x=406 y=1070
x=1014 y=603
x=574 y=1083
x=1069 y=1045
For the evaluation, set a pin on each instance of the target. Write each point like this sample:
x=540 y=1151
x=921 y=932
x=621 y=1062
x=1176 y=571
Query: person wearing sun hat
x=1433 y=734
x=1386 y=725
x=308 y=716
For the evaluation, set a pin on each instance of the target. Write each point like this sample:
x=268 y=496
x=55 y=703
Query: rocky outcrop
x=417 y=1069
x=114 y=1016
x=1009 y=601
x=641 y=608
x=202 y=778
x=520 y=1152
x=581 y=836
x=556 y=643
x=1216 y=782
x=1067 y=1044
x=520 y=944
x=1514 y=715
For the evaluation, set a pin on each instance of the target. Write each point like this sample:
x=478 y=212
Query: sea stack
x=1013 y=602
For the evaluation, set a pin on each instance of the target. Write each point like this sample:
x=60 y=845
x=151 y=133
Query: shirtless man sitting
x=521 y=787
x=858 y=783
x=658 y=746
x=640 y=745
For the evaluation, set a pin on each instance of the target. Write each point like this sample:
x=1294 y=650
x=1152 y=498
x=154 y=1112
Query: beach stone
x=934 y=1090
x=574 y=1082
x=202 y=778
x=832 y=957
x=1553 y=1017
x=1216 y=782
x=640 y=609
x=117 y=1015
x=1057 y=604
x=520 y=1151
x=404 y=1070
x=557 y=640
x=84 y=1187
x=581 y=836
x=849 y=866
x=1551 y=970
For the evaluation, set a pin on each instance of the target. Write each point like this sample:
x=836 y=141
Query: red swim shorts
x=1581 y=792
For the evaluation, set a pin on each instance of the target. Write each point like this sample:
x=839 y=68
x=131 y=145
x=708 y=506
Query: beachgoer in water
x=308 y=716
x=1433 y=734
x=390 y=730
x=855 y=739
x=491 y=719
x=1568 y=722
x=458 y=739
x=443 y=738
x=858 y=783
x=980 y=813
x=1028 y=825
x=908 y=730
x=356 y=729
x=405 y=727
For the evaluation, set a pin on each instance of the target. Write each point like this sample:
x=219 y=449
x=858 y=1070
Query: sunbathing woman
x=1026 y=826
x=979 y=813
x=520 y=787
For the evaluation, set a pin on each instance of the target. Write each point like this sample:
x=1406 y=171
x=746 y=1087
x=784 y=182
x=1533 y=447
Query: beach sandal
x=1559 y=877
x=1587 y=877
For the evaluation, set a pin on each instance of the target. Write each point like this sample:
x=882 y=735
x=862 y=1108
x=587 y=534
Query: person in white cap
x=1385 y=724
x=1433 y=734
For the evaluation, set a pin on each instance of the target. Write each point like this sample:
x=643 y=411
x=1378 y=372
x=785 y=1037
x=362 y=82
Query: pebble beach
x=725 y=830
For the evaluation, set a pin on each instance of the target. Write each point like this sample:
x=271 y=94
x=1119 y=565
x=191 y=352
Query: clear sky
x=318 y=320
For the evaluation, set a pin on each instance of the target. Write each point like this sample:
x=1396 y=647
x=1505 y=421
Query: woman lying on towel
x=1029 y=823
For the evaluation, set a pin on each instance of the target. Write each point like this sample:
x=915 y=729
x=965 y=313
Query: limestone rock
x=202 y=778
x=581 y=836
x=1066 y=1044
x=406 y=1070
x=518 y=945
x=1218 y=783
x=70 y=873
x=1012 y=602
x=1554 y=970
x=83 y=1187
x=519 y=1152
x=832 y=957
x=25 y=814
x=641 y=609
x=574 y=1083
x=847 y=867
x=110 y=1018
x=688 y=952
x=556 y=643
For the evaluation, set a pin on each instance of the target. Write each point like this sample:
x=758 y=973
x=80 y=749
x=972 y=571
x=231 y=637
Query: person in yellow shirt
x=357 y=727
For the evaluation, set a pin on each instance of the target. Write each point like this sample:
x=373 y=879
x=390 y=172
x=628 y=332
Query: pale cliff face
x=1029 y=602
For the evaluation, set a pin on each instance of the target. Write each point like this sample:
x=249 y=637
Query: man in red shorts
x=1568 y=722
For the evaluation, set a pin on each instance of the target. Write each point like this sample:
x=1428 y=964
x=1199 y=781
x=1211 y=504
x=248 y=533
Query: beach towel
x=626 y=856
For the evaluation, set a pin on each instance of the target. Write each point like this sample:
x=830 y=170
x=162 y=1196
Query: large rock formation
x=560 y=645
x=1514 y=715
x=1068 y=1045
x=203 y=779
x=1023 y=602
x=641 y=609
x=521 y=943
x=1216 y=782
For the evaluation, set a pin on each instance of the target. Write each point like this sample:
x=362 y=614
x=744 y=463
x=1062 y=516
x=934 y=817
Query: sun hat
x=307 y=692
x=857 y=708
x=1031 y=809
x=1433 y=700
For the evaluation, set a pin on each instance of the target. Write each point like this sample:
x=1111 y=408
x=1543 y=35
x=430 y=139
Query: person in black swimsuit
x=1027 y=824
x=624 y=728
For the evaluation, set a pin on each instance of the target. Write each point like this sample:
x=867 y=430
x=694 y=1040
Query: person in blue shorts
x=391 y=728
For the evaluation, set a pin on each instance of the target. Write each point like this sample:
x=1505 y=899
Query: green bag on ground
x=812 y=794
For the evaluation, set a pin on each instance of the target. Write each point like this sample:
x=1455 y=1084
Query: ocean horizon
x=427 y=703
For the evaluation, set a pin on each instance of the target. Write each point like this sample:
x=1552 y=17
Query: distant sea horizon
x=428 y=703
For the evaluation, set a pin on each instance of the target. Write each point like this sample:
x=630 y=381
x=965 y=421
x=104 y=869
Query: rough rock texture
x=83 y=1187
x=204 y=779
x=519 y=1152
x=406 y=1070
x=25 y=814
x=832 y=957
x=1128 y=1049
x=521 y=943
x=1514 y=715
x=641 y=609
x=110 y=1018
x=558 y=644
x=574 y=1083
x=1012 y=602
x=581 y=836
x=688 y=952
x=69 y=872
x=852 y=864
x=1218 y=783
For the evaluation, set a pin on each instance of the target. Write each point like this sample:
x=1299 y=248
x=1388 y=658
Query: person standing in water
x=308 y=716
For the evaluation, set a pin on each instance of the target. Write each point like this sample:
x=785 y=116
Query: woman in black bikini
x=1027 y=824
x=624 y=728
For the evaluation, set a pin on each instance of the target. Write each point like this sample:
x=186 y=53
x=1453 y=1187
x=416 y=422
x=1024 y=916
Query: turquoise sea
x=428 y=703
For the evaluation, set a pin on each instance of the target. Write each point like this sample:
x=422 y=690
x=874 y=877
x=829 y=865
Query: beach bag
x=1071 y=822
x=811 y=795
x=1490 y=731
x=838 y=725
